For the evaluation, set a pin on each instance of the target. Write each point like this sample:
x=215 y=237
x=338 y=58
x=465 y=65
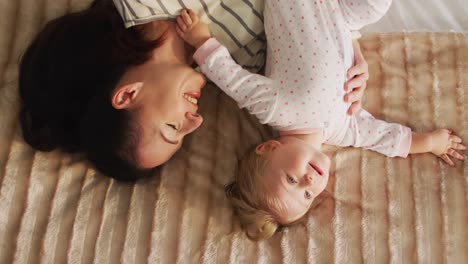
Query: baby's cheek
x=300 y=161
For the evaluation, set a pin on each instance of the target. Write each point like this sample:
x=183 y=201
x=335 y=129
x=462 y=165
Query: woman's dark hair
x=66 y=79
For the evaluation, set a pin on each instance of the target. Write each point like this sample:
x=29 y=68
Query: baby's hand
x=191 y=29
x=444 y=144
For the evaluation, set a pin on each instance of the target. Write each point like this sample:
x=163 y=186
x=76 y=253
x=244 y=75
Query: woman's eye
x=291 y=179
x=307 y=195
x=172 y=126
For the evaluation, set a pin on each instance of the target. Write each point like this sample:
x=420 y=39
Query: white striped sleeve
x=237 y=24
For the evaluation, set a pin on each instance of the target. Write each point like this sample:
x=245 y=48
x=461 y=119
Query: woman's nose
x=203 y=79
x=194 y=121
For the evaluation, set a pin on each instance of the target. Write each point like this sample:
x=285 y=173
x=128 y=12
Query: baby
x=309 y=50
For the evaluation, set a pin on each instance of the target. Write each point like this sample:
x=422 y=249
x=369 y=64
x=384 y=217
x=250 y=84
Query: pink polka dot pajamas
x=309 y=50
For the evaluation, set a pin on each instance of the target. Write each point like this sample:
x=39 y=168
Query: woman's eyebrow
x=168 y=140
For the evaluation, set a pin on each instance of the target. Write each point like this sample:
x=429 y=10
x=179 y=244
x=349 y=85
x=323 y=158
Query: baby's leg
x=359 y=13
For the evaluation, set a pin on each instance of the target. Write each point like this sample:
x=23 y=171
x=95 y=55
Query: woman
x=124 y=97
x=67 y=81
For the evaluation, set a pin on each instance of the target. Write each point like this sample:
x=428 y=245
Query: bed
x=55 y=208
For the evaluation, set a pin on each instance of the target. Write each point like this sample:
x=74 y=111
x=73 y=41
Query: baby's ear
x=267 y=146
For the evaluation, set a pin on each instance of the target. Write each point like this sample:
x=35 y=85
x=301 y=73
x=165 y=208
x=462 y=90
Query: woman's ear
x=267 y=146
x=125 y=95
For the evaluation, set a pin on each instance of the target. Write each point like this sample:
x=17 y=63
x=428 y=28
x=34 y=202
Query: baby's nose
x=309 y=178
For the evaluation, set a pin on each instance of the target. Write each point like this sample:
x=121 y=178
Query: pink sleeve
x=359 y=13
x=205 y=50
x=256 y=93
x=390 y=139
x=405 y=142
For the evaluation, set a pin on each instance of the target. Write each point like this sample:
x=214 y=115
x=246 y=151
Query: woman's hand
x=191 y=29
x=357 y=80
x=444 y=144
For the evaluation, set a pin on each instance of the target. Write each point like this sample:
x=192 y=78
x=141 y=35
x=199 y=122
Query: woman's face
x=166 y=110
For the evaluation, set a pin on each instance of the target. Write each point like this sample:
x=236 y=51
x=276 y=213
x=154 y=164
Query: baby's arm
x=365 y=131
x=393 y=139
x=440 y=142
x=256 y=93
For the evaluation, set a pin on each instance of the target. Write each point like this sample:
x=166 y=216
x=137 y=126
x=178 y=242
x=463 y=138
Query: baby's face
x=296 y=173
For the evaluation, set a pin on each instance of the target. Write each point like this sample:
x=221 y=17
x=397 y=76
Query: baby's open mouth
x=317 y=169
x=192 y=98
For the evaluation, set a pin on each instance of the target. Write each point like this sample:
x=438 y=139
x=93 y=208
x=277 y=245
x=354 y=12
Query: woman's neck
x=172 y=48
x=154 y=30
x=314 y=139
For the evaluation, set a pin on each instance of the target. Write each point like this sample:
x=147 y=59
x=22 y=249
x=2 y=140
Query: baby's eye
x=172 y=126
x=291 y=180
x=307 y=195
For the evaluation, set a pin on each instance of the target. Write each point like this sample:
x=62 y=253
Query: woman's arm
x=357 y=80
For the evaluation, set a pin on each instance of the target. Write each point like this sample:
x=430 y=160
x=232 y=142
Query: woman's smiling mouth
x=192 y=98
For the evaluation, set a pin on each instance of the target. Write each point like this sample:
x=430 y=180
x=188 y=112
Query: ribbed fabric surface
x=54 y=208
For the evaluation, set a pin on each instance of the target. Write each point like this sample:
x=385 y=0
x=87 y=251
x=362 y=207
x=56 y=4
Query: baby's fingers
x=193 y=16
x=455 y=154
x=456 y=143
x=447 y=159
x=181 y=24
x=179 y=31
x=186 y=17
x=459 y=146
x=454 y=138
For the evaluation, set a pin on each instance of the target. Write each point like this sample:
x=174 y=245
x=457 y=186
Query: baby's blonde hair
x=251 y=201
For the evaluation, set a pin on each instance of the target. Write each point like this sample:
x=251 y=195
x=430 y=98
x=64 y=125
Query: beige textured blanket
x=55 y=209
